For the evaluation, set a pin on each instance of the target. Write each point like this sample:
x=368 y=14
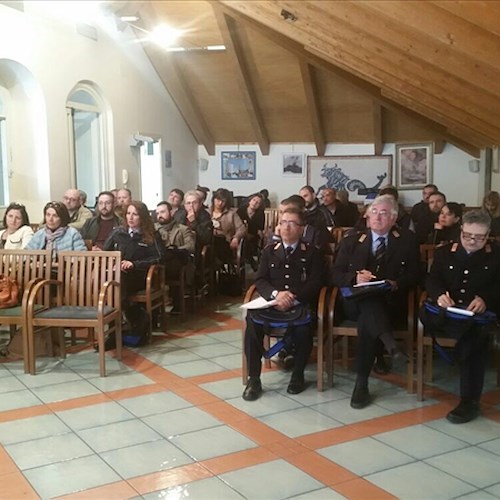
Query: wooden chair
x=425 y=353
x=87 y=296
x=427 y=256
x=185 y=290
x=26 y=267
x=343 y=329
x=322 y=337
x=153 y=297
x=270 y=218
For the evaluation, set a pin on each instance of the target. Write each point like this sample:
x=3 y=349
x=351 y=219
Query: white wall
x=451 y=172
x=55 y=58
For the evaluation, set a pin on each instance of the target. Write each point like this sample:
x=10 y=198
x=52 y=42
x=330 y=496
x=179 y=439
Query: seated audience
x=229 y=229
x=491 y=205
x=179 y=242
x=351 y=211
x=123 y=199
x=203 y=193
x=17 y=232
x=78 y=213
x=314 y=217
x=140 y=245
x=175 y=198
x=381 y=252
x=265 y=198
x=447 y=228
x=289 y=271
x=56 y=235
x=98 y=228
x=252 y=214
x=465 y=274
x=425 y=226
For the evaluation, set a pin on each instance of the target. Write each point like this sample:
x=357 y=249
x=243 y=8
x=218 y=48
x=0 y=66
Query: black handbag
x=360 y=292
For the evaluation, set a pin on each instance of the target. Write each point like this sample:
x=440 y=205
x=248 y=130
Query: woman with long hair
x=56 y=235
x=491 y=205
x=252 y=214
x=447 y=228
x=140 y=245
x=17 y=232
x=228 y=227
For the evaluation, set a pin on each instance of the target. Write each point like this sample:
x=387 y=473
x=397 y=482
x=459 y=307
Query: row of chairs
x=84 y=295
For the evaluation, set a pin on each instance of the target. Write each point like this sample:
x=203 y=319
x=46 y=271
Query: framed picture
x=238 y=165
x=360 y=176
x=413 y=165
x=293 y=165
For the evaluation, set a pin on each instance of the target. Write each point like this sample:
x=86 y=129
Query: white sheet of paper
x=369 y=283
x=259 y=303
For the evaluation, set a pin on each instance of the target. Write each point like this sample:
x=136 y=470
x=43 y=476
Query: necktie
x=288 y=251
x=380 y=252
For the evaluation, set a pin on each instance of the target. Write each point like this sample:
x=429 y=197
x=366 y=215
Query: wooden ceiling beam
x=311 y=94
x=172 y=78
x=235 y=50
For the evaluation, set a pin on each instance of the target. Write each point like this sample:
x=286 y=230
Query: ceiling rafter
x=311 y=93
x=370 y=88
x=228 y=28
x=377 y=128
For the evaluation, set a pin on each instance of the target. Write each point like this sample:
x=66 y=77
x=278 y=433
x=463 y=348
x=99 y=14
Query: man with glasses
x=78 y=213
x=99 y=227
x=380 y=252
x=290 y=272
x=465 y=275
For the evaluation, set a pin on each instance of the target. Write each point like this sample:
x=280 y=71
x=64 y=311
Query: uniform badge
x=362 y=238
x=454 y=247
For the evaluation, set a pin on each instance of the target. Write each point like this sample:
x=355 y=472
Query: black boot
x=360 y=396
x=467 y=410
x=253 y=390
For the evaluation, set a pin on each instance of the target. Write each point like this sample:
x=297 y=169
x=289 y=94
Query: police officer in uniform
x=290 y=271
x=466 y=275
x=382 y=252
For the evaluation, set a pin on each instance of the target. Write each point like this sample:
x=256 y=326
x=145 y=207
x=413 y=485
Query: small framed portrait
x=413 y=165
x=238 y=165
x=293 y=165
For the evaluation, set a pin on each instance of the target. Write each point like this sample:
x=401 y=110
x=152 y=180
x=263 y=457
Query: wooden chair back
x=271 y=216
x=427 y=256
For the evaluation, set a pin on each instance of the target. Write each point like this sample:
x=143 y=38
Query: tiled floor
x=169 y=422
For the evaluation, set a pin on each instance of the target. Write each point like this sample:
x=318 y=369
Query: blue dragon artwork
x=339 y=180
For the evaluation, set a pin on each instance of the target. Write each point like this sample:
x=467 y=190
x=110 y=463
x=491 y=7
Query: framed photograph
x=360 y=176
x=238 y=165
x=413 y=165
x=293 y=164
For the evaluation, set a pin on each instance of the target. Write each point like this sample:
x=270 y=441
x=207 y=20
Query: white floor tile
x=115 y=382
x=26 y=429
x=270 y=402
x=10 y=383
x=212 y=442
x=341 y=410
x=491 y=446
x=474 y=465
x=365 y=456
x=19 y=399
x=419 y=481
x=475 y=432
x=145 y=458
x=194 y=368
x=151 y=404
x=225 y=389
x=49 y=450
x=64 y=391
x=79 y=474
x=276 y=480
x=420 y=441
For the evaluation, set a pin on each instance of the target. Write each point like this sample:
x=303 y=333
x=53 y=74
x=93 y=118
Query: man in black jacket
x=381 y=252
x=289 y=272
x=466 y=275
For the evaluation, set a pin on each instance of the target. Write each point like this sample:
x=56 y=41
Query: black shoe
x=381 y=367
x=466 y=411
x=296 y=385
x=253 y=390
x=360 y=397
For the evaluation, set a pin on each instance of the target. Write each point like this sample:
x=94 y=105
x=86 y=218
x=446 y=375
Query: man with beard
x=99 y=227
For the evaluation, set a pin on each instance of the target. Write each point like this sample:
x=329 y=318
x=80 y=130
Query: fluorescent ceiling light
x=216 y=47
x=129 y=19
x=175 y=49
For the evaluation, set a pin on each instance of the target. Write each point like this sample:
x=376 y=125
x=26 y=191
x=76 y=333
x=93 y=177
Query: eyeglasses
x=474 y=237
x=382 y=213
x=107 y=203
x=54 y=204
x=290 y=223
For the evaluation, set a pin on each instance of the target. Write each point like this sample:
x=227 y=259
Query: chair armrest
x=252 y=289
x=155 y=276
x=331 y=307
x=29 y=299
x=104 y=294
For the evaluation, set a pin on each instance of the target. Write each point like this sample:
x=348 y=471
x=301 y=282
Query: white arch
x=27 y=136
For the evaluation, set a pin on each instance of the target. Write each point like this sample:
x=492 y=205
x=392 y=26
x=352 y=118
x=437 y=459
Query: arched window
x=88 y=145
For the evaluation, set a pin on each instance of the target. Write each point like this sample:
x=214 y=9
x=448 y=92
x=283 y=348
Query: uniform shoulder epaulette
x=303 y=246
x=454 y=247
x=362 y=237
x=395 y=233
x=277 y=245
x=487 y=248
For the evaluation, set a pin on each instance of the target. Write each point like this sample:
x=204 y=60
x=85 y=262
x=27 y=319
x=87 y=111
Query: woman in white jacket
x=17 y=232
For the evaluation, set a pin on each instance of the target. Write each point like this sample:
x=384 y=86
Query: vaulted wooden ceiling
x=332 y=71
